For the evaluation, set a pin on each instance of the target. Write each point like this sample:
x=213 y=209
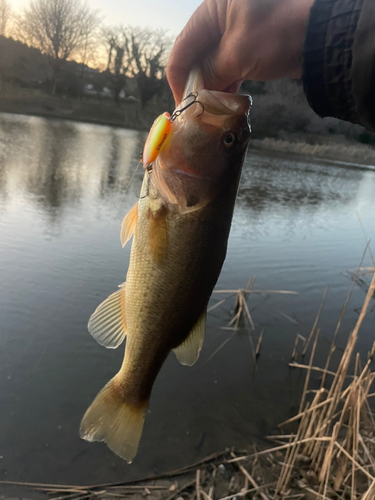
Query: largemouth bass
x=181 y=226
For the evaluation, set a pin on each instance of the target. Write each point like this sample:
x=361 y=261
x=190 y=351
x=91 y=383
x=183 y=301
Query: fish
x=180 y=227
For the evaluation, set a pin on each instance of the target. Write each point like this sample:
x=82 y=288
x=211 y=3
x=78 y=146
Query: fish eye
x=230 y=140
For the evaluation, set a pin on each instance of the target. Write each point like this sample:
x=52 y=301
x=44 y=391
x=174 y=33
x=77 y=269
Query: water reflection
x=68 y=162
x=272 y=181
x=59 y=163
x=63 y=193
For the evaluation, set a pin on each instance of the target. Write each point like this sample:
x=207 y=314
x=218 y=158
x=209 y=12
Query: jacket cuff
x=328 y=58
x=364 y=65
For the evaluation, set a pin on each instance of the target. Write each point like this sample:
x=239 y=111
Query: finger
x=221 y=70
x=199 y=36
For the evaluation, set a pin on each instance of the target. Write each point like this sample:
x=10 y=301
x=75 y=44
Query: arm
x=339 y=60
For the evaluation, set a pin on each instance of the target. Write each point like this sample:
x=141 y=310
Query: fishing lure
x=157 y=138
x=160 y=131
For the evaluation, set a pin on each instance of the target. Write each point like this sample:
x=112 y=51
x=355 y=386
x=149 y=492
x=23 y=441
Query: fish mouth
x=214 y=102
x=222 y=103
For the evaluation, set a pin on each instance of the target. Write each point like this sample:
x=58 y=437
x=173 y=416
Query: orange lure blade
x=157 y=138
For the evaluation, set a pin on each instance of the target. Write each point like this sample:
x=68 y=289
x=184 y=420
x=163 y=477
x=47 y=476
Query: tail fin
x=112 y=420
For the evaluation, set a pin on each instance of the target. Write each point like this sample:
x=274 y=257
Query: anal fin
x=107 y=324
x=188 y=352
x=128 y=225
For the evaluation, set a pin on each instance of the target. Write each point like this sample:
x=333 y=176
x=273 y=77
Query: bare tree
x=119 y=60
x=136 y=52
x=58 y=28
x=109 y=36
x=149 y=50
x=87 y=51
x=5 y=17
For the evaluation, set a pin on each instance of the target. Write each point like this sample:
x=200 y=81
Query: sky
x=170 y=15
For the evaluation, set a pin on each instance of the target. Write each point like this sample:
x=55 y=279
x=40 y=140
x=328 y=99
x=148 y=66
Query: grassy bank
x=91 y=110
x=334 y=148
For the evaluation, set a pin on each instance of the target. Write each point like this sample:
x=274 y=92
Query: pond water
x=296 y=227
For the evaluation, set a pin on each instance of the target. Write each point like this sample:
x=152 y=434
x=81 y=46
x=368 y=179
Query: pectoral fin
x=128 y=225
x=107 y=324
x=188 y=352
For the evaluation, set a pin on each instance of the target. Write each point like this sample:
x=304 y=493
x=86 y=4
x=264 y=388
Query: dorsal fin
x=188 y=352
x=107 y=324
x=128 y=225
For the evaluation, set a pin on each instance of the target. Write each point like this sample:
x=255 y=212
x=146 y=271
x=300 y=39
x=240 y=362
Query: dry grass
x=339 y=427
x=105 y=112
x=331 y=455
x=348 y=152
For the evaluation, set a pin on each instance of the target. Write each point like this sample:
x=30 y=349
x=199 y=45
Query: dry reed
x=343 y=462
x=243 y=313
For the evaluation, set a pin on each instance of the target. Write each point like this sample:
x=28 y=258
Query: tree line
x=66 y=30
x=133 y=59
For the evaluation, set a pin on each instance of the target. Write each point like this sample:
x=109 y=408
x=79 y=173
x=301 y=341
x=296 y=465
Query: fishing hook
x=178 y=112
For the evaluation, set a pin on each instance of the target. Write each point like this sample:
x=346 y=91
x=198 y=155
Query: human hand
x=236 y=40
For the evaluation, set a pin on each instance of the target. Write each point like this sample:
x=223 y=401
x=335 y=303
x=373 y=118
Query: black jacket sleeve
x=339 y=60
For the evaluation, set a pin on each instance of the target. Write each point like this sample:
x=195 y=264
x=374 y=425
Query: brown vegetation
x=336 y=148
x=90 y=110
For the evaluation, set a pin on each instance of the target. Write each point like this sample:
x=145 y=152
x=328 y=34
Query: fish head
x=205 y=149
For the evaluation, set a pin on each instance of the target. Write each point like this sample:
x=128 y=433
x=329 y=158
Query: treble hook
x=178 y=112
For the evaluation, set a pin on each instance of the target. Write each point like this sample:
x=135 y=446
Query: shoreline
x=345 y=152
x=93 y=111
x=131 y=116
